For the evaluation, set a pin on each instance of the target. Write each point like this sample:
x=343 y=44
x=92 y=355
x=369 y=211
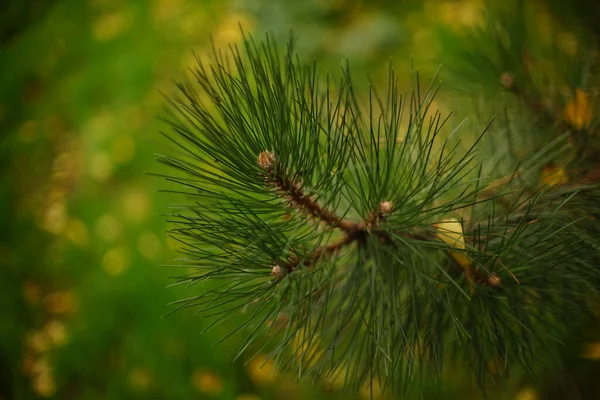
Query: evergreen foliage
x=356 y=235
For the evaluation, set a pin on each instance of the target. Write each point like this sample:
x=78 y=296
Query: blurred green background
x=82 y=236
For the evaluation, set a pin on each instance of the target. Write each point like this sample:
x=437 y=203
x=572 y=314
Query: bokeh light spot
x=55 y=217
x=44 y=384
x=77 y=232
x=108 y=227
x=38 y=341
x=192 y=24
x=100 y=167
x=261 y=370
x=123 y=149
x=527 y=394
x=248 y=396
x=229 y=30
x=99 y=126
x=115 y=261
x=164 y=10
x=61 y=303
x=111 y=25
x=149 y=245
x=207 y=382
x=56 y=332
x=136 y=205
x=592 y=351
x=140 y=379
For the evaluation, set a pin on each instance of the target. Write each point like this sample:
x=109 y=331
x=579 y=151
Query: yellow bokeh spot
x=100 y=166
x=61 y=303
x=140 y=379
x=55 y=217
x=164 y=10
x=136 y=205
x=578 y=112
x=111 y=25
x=38 y=341
x=553 y=175
x=56 y=332
x=44 y=385
x=41 y=366
x=207 y=382
x=261 y=370
x=229 y=30
x=193 y=23
x=28 y=131
x=461 y=14
x=77 y=232
x=99 y=126
x=527 y=394
x=115 y=261
x=65 y=167
x=108 y=227
x=148 y=245
x=123 y=149
x=592 y=351
x=248 y=396
x=372 y=391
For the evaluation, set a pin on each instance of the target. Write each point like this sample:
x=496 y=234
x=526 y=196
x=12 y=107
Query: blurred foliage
x=17 y=15
x=80 y=97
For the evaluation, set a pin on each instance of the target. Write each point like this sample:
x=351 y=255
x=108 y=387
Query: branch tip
x=266 y=160
x=278 y=272
x=386 y=207
x=494 y=280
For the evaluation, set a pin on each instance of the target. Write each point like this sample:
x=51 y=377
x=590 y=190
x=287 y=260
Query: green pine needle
x=309 y=221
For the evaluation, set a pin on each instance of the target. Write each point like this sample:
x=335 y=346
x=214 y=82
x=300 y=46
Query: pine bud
x=386 y=207
x=494 y=280
x=278 y=272
x=266 y=159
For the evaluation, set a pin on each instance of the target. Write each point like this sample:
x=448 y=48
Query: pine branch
x=353 y=232
x=549 y=117
x=359 y=269
x=319 y=253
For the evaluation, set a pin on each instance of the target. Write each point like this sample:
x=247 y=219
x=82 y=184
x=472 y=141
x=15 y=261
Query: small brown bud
x=494 y=280
x=386 y=207
x=278 y=272
x=266 y=159
x=507 y=80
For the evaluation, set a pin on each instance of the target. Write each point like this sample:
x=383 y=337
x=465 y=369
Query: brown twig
x=294 y=193
x=353 y=231
x=321 y=252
